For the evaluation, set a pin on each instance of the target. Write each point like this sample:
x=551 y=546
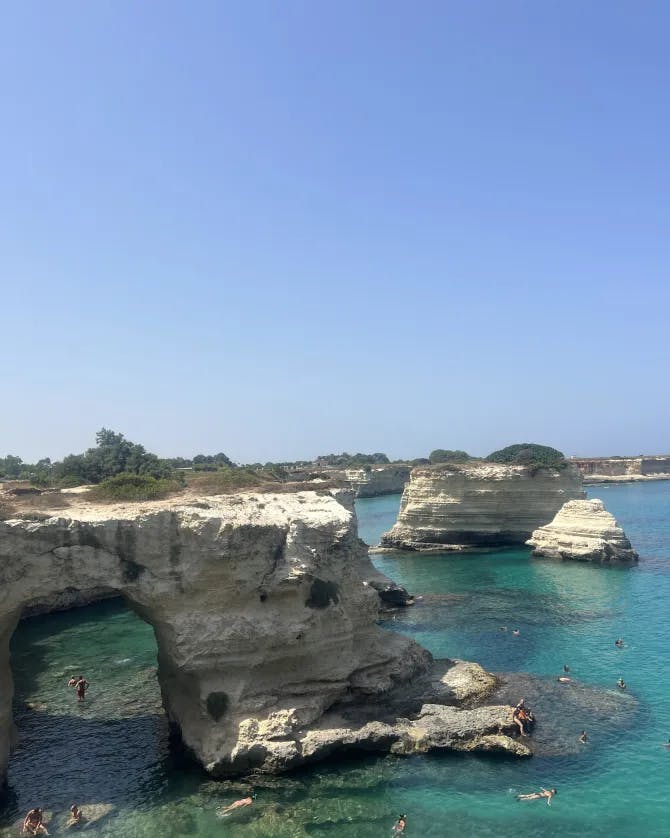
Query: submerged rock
x=583 y=530
x=479 y=504
x=563 y=710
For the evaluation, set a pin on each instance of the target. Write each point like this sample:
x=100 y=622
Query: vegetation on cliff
x=529 y=454
x=130 y=486
x=345 y=460
x=442 y=455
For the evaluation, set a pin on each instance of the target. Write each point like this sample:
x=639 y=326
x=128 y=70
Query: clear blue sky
x=280 y=229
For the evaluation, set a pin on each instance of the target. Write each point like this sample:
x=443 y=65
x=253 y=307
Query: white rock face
x=479 y=504
x=585 y=531
x=260 y=605
x=378 y=480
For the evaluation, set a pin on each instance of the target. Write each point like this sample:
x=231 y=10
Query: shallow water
x=114 y=748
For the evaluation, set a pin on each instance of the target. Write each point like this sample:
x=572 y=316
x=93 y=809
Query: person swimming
x=566 y=668
x=667 y=744
x=34 y=822
x=400 y=824
x=516 y=632
x=536 y=795
x=239 y=804
x=618 y=642
x=621 y=684
x=583 y=738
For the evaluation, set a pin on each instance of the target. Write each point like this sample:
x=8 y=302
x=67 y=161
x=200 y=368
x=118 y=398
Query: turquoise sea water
x=114 y=749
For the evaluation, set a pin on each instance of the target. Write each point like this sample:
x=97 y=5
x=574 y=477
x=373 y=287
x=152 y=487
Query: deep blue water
x=115 y=749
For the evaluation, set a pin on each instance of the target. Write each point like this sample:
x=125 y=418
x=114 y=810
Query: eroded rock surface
x=479 y=504
x=265 y=621
x=583 y=530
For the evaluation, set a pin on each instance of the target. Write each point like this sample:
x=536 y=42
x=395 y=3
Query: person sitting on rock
x=239 y=804
x=76 y=815
x=564 y=679
x=400 y=825
x=621 y=684
x=536 y=795
x=34 y=823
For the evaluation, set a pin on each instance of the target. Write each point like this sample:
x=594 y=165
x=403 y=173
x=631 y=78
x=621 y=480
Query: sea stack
x=479 y=504
x=583 y=530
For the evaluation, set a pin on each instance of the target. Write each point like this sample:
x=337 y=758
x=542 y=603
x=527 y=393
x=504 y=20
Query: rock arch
x=262 y=613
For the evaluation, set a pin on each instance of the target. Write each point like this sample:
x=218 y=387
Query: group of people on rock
x=33 y=822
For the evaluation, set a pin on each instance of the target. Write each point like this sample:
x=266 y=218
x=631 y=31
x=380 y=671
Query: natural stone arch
x=260 y=604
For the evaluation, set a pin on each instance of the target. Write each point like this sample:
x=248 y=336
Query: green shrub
x=226 y=480
x=442 y=455
x=130 y=486
x=529 y=454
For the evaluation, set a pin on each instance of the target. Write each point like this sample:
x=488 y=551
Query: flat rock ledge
x=441 y=711
x=583 y=530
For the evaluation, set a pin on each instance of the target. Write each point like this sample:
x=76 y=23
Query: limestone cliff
x=479 y=504
x=264 y=608
x=623 y=469
x=585 y=531
x=378 y=480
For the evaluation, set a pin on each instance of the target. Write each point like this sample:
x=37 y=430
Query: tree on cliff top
x=358 y=459
x=529 y=454
x=446 y=455
x=113 y=454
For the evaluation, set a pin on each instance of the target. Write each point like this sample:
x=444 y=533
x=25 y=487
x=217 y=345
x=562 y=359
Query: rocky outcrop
x=585 y=531
x=377 y=480
x=263 y=611
x=479 y=504
x=623 y=469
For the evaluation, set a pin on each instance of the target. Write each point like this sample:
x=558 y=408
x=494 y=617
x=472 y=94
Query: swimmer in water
x=618 y=642
x=400 y=824
x=239 y=804
x=667 y=744
x=548 y=793
x=516 y=632
x=566 y=668
x=583 y=737
x=621 y=684
x=502 y=628
x=80 y=684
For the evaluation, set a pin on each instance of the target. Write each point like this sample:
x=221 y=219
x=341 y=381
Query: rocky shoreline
x=265 y=611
